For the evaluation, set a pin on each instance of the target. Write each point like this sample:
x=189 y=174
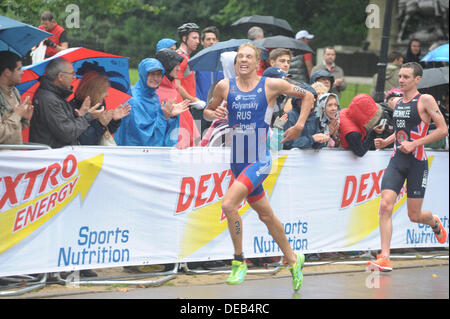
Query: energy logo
x=34 y=197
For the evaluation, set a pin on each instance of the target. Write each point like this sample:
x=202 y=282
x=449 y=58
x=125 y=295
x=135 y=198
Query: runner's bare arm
x=429 y=105
x=383 y=142
x=216 y=109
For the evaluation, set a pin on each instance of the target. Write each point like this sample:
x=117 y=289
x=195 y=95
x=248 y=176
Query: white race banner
x=92 y=207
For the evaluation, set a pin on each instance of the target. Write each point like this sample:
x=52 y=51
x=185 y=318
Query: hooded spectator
x=166 y=43
x=327 y=111
x=358 y=124
x=146 y=125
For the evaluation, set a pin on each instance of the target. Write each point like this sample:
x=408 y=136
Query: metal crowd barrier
x=24 y=147
x=277 y=266
x=124 y=279
x=19 y=285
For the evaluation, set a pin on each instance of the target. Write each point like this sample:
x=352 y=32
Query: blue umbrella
x=208 y=59
x=19 y=37
x=440 y=54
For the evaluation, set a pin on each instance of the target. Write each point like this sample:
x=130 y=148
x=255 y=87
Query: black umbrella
x=434 y=77
x=281 y=41
x=270 y=25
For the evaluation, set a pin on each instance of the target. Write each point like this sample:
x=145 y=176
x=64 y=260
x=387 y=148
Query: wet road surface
x=409 y=283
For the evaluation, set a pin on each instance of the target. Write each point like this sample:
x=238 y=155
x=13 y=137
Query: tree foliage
x=133 y=27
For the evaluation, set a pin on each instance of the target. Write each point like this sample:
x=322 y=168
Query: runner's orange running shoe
x=382 y=264
x=442 y=236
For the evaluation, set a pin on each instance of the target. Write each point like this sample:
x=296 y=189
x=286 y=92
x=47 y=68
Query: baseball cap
x=304 y=34
x=274 y=72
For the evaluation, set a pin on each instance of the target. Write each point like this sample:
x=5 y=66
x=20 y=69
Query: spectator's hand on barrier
x=121 y=111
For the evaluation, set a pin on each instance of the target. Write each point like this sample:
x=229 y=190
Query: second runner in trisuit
x=247 y=102
x=412 y=116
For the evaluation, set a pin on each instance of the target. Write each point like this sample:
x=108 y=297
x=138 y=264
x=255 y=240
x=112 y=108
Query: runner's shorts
x=406 y=167
x=252 y=175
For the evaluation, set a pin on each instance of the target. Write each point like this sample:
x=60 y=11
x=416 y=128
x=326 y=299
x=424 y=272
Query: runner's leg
x=230 y=204
x=388 y=198
x=417 y=215
x=275 y=227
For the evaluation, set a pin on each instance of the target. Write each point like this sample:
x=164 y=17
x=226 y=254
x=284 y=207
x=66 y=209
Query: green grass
x=134 y=76
x=351 y=91
x=346 y=97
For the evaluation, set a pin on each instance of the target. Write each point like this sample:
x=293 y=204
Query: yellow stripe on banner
x=19 y=222
x=204 y=224
x=364 y=218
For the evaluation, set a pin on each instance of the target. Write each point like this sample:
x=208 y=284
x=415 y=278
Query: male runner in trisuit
x=248 y=102
x=412 y=115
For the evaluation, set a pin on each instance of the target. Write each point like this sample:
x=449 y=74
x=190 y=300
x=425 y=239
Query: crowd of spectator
x=166 y=107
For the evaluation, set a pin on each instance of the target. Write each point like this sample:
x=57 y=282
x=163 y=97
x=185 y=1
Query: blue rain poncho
x=146 y=124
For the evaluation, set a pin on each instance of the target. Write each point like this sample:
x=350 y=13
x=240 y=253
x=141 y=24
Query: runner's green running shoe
x=296 y=271
x=238 y=272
